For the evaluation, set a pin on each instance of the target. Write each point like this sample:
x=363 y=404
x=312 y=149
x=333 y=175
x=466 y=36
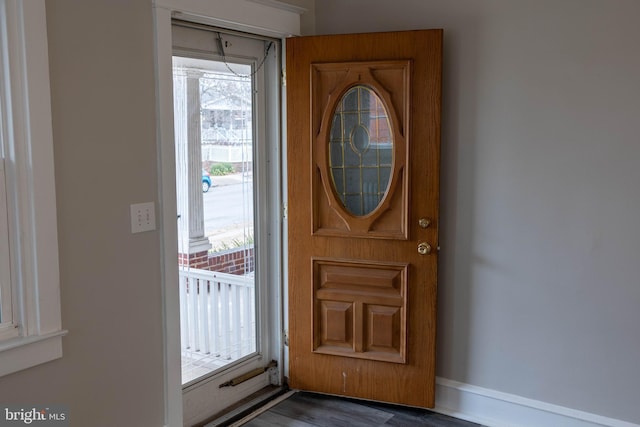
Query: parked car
x=206 y=181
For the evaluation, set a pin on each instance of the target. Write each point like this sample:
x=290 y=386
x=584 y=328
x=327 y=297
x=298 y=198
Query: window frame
x=6 y=295
x=27 y=146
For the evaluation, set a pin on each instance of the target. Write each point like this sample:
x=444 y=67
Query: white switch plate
x=143 y=217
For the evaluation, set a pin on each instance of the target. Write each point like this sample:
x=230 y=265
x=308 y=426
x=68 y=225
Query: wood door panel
x=330 y=219
x=385 y=331
x=360 y=309
x=362 y=300
x=334 y=325
x=390 y=81
x=391 y=78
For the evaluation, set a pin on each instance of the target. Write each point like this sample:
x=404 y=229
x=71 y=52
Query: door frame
x=272 y=19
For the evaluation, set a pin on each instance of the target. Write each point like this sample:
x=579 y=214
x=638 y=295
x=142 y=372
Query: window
x=30 y=326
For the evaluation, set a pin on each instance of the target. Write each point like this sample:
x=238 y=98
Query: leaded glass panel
x=360 y=150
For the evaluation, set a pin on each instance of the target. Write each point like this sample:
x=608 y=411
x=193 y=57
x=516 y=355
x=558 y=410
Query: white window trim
x=6 y=303
x=28 y=143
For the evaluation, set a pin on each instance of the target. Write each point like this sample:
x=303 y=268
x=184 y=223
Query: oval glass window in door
x=360 y=150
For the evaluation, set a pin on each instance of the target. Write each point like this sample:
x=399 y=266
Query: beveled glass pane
x=371 y=158
x=360 y=150
x=336 y=129
x=338 y=179
x=349 y=120
x=353 y=183
x=335 y=151
x=385 y=175
x=360 y=139
x=353 y=203
x=350 y=101
x=370 y=181
x=386 y=156
x=351 y=157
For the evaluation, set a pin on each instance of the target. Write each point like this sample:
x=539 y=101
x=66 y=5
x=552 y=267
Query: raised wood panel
x=390 y=80
x=383 y=329
x=336 y=324
x=360 y=309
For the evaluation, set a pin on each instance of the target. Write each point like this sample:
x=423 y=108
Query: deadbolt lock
x=424 y=248
x=424 y=222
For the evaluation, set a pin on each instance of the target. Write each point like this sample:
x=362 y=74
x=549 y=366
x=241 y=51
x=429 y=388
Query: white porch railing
x=217 y=315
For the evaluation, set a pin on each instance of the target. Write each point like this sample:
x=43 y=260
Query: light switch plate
x=143 y=217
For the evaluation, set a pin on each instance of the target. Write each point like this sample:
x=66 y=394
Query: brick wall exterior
x=198 y=260
x=234 y=261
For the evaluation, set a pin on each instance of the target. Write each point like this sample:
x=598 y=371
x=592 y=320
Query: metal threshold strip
x=239 y=415
x=250 y=405
x=247 y=376
x=264 y=408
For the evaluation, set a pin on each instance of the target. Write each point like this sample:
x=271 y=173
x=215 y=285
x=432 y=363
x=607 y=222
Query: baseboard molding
x=496 y=409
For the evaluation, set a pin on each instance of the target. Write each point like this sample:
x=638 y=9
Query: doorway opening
x=226 y=98
x=213 y=119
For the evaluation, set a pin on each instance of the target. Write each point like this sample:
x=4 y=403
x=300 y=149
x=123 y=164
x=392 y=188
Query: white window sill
x=24 y=352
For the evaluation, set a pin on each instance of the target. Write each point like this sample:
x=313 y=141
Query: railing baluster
x=184 y=314
x=252 y=324
x=225 y=322
x=193 y=314
x=204 y=315
x=246 y=321
x=235 y=307
x=217 y=315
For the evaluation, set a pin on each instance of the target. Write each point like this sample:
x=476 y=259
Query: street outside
x=228 y=210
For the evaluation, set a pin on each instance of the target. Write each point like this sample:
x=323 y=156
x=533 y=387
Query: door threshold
x=264 y=408
x=254 y=403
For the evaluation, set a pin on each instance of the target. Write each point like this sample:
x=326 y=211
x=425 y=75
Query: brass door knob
x=424 y=248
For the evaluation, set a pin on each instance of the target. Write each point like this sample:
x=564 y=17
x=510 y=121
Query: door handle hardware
x=424 y=248
x=424 y=222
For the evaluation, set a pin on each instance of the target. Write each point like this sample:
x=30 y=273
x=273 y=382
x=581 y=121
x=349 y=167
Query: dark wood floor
x=304 y=409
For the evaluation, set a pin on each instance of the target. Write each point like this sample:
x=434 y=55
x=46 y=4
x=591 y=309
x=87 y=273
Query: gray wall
x=102 y=83
x=308 y=17
x=539 y=291
x=539 y=286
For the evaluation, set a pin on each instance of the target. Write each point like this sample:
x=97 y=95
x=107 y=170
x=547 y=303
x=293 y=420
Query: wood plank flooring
x=305 y=409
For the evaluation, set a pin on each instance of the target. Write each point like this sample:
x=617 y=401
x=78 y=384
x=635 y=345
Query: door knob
x=424 y=248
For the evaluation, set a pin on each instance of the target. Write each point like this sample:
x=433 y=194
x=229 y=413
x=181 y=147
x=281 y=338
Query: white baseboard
x=496 y=409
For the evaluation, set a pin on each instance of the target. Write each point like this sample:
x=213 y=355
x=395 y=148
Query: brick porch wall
x=231 y=261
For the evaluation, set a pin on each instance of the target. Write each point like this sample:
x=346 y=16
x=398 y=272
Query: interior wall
x=539 y=275
x=538 y=289
x=308 y=17
x=103 y=105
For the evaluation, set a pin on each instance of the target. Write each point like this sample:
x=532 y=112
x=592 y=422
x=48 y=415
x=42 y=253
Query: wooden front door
x=363 y=134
